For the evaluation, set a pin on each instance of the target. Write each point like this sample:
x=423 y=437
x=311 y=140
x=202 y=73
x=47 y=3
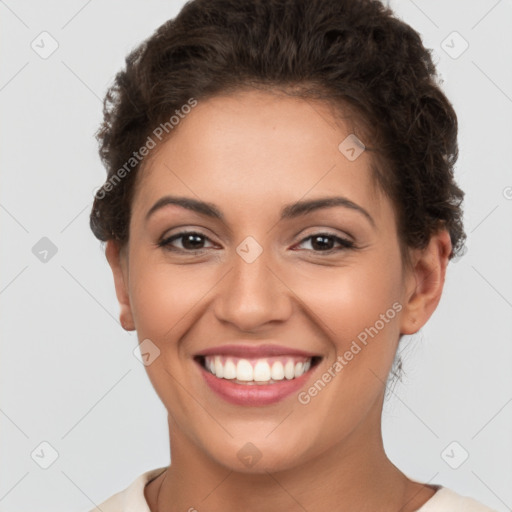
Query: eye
x=191 y=241
x=323 y=242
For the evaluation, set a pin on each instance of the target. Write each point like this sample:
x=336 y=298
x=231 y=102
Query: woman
x=279 y=210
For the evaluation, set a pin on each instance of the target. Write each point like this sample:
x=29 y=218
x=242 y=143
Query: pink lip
x=254 y=351
x=254 y=394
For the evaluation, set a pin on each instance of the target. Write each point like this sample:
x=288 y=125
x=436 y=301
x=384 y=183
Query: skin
x=251 y=153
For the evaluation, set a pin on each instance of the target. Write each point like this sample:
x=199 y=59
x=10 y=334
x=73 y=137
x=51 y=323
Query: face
x=264 y=282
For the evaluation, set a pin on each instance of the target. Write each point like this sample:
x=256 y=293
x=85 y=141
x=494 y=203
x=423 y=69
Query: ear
x=117 y=260
x=425 y=282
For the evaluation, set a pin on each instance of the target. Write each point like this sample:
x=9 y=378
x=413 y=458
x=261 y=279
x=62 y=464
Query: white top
x=132 y=499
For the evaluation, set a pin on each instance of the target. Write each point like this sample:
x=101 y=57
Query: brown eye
x=324 y=242
x=190 y=241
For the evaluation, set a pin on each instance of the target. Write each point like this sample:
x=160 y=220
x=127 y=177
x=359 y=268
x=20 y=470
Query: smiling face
x=267 y=261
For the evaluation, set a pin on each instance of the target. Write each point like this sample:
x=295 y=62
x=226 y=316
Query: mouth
x=261 y=371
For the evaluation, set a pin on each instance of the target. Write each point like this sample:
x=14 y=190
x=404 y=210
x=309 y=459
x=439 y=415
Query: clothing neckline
x=135 y=493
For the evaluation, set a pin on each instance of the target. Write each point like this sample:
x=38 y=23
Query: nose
x=253 y=295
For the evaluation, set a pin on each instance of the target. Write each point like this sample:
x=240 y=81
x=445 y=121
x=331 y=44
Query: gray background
x=68 y=375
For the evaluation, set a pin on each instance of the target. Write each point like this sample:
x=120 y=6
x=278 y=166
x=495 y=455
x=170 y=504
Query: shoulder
x=446 y=500
x=132 y=498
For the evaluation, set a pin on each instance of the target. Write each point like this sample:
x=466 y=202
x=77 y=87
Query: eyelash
x=166 y=242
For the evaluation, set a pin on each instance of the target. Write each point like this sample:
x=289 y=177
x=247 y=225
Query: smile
x=249 y=379
x=257 y=371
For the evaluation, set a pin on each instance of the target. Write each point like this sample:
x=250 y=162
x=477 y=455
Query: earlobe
x=119 y=269
x=425 y=282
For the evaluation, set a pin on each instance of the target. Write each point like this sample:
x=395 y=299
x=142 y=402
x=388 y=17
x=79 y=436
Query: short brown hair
x=353 y=53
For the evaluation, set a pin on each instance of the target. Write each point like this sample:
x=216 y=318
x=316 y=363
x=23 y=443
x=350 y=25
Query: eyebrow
x=290 y=211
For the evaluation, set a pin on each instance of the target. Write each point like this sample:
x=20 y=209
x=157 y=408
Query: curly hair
x=354 y=54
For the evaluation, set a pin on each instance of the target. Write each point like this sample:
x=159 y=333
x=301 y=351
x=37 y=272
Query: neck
x=353 y=475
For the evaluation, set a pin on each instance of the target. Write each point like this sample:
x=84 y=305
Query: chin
x=258 y=454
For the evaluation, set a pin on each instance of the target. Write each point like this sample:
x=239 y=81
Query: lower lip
x=254 y=394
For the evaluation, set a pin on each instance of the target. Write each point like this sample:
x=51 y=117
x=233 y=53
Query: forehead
x=257 y=147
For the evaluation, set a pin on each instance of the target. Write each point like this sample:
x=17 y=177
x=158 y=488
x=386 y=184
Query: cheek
x=348 y=300
x=162 y=297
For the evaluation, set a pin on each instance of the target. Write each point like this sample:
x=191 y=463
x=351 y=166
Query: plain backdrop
x=68 y=375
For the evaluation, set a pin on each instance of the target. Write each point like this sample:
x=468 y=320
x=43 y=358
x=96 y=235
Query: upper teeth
x=257 y=370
